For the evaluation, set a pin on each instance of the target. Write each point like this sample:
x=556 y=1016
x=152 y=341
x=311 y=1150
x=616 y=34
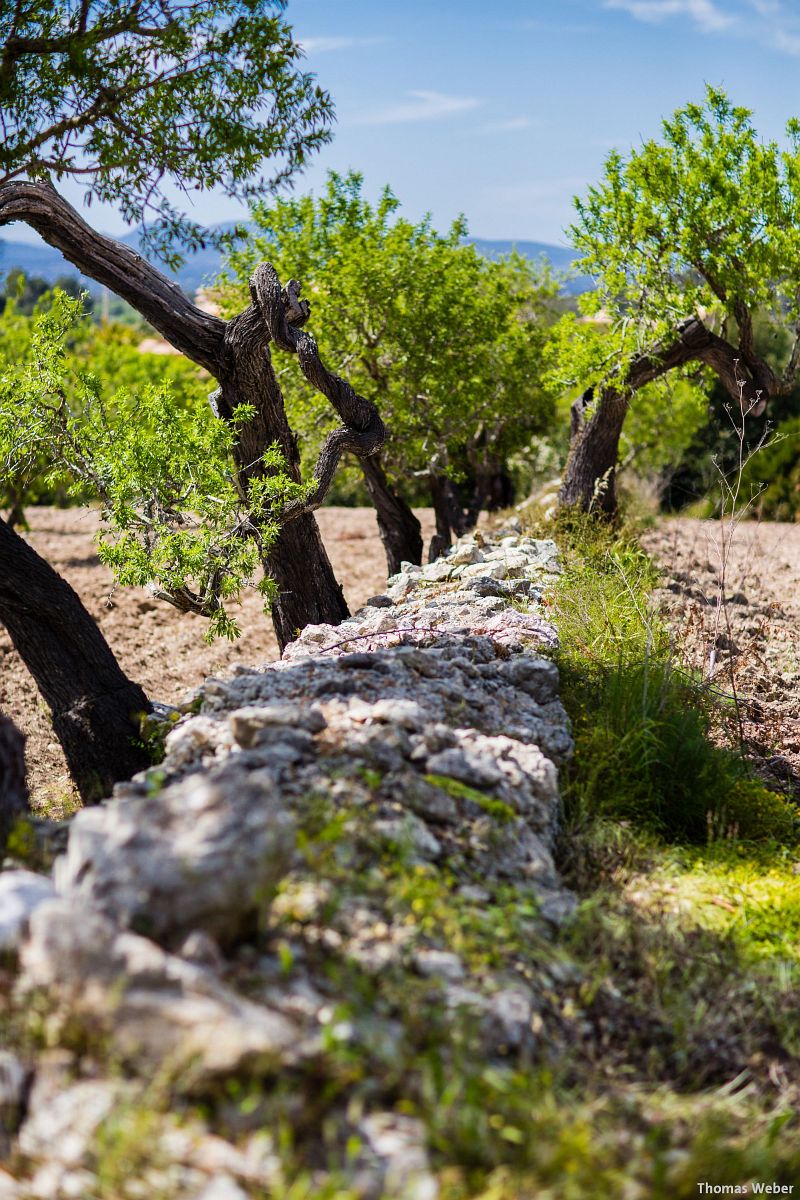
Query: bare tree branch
x=196 y=334
x=363 y=432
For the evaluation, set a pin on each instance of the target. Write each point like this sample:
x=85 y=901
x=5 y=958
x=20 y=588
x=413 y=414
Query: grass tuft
x=643 y=728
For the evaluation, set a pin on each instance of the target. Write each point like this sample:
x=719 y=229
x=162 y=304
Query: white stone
x=10 y=1189
x=222 y=1187
x=157 y=1009
x=464 y=555
x=197 y=855
x=399 y=1143
x=485 y=570
x=437 y=572
x=12 y=1086
x=21 y=893
x=405 y=713
x=439 y=964
x=61 y=1126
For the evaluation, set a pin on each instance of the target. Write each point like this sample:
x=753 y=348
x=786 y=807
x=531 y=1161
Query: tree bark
x=95 y=708
x=400 y=530
x=448 y=510
x=308 y=592
x=589 y=475
x=13 y=789
x=493 y=490
x=195 y=333
x=589 y=479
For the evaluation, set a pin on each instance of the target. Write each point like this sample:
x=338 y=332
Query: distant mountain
x=560 y=258
x=204 y=265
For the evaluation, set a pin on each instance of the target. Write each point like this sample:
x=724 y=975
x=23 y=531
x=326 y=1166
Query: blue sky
x=505 y=111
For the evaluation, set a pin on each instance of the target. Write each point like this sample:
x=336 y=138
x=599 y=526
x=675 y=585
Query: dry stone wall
x=199 y=920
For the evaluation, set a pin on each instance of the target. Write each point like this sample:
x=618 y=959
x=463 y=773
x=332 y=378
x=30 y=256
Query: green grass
x=643 y=746
x=666 y=1025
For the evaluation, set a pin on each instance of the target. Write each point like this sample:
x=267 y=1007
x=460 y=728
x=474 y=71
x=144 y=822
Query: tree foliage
x=704 y=222
x=111 y=353
x=692 y=240
x=25 y=291
x=158 y=461
x=126 y=96
x=447 y=343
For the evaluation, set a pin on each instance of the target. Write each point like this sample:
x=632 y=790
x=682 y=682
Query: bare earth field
x=156 y=645
x=164 y=649
x=755 y=637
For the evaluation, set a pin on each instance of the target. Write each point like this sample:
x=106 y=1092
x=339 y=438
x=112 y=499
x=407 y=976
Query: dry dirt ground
x=156 y=645
x=165 y=651
x=750 y=645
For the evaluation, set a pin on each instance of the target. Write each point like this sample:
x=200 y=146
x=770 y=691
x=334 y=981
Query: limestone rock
x=62 y=1123
x=395 y=1145
x=204 y=853
x=21 y=893
x=10 y=1189
x=416 y=746
x=221 y=1187
x=158 y=1010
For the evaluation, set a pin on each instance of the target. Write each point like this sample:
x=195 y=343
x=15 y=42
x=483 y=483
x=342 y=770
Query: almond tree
x=139 y=101
x=447 y=343
x=689 y=239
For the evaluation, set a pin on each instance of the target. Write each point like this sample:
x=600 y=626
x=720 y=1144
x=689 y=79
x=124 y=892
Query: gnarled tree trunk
x=493 y=489
x=307 y=587
x=95 y=708
x=13 y=789
x=451 y=519
x=308 y=592
x=400 y=530
x=589 y=479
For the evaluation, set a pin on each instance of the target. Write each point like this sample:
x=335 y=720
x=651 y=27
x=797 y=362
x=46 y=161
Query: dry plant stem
x=731 y=514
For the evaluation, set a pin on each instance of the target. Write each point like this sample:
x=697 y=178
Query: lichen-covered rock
x=157 y=1010
x=204 y=853
x=21 y=893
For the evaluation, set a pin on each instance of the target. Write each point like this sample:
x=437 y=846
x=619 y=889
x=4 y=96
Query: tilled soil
x=155 y=644
x=755 y=635
x=747 y=644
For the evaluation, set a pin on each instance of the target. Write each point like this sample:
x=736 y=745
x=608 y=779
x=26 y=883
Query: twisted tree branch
x=695 y=342
x=196 y=334
x=362 y=432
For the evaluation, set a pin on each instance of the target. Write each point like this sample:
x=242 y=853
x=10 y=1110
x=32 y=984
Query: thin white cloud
x=327 y=45
x=786 y=41
x=421 y=106
x=509 y=125
x=778 y=25
x=705 y=13
x=771 y=23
